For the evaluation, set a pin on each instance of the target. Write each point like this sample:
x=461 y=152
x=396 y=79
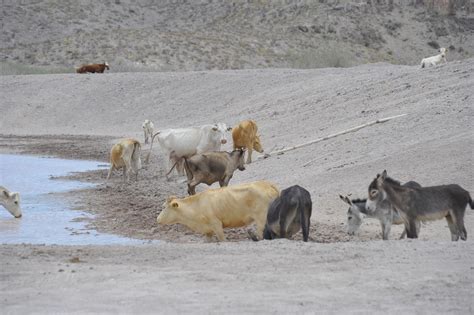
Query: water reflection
x=46 y=217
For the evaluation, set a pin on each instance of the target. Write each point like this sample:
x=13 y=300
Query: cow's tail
x=151 y=147
x=136 y=154
x=422 y=64
x=189 y=173
x=172 y=167
x=471 y=204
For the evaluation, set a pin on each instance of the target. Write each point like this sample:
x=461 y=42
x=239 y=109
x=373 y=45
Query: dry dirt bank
x=281 y=277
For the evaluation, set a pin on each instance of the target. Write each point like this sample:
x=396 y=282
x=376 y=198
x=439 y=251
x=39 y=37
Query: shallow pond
x=47 y=219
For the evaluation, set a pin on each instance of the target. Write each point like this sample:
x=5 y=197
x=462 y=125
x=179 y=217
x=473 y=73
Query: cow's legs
x=249 y=154
x=225 y=181
x=218 y=230
x=146 y=136
x=125 y=174
x=111 y=169
x=459 y=222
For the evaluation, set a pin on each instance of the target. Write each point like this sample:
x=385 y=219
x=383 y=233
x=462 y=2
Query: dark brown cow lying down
x=93 y=68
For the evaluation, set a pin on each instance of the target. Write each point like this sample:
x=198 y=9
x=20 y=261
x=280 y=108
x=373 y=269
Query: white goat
x=434 y=60
x=148 y=129
x=11 y=201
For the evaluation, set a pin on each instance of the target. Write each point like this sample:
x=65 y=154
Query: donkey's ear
x=6 y=194
x=384 y=174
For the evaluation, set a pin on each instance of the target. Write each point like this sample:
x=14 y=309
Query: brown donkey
x=423 y=204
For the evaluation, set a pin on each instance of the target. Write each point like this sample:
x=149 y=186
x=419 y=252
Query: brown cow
x=211 y=167
x=93 y=68
x=125 y=155
x=245 y=136
x=210 y=211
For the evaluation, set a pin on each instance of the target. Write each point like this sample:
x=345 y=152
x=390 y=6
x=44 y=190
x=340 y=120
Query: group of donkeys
x=393 y=203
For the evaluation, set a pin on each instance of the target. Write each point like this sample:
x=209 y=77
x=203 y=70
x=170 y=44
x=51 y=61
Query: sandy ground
x=79 y=117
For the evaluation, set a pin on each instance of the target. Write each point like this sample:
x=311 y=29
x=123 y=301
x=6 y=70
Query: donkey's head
x=354 y=215
x=377 y=192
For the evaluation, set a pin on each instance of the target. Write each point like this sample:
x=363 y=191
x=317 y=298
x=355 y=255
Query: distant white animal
x=148 y=129
x=11 y=201
x=185 y=142
x=125 y=155
x=434 y=60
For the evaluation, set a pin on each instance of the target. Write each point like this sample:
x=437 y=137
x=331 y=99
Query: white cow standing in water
x=11 y=201
x=148 y=129
x=185 y=142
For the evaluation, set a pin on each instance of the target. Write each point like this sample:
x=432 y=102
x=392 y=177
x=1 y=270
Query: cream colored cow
x=11 y=201
x=210 y=211
x=125 y=155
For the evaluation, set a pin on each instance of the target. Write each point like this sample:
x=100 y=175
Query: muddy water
x=47 y=219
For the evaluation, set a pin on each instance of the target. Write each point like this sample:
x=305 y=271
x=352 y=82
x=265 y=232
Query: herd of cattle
x=196 y=153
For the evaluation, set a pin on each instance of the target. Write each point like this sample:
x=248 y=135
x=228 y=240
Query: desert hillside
x=203 y=35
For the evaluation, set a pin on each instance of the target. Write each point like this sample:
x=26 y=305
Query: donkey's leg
x=459 y=219
x=404 y=233
x=386 y=227
x=411 y=231
x=452 y=228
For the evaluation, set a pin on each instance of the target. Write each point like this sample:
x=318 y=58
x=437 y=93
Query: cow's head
x=239 y=154
x=106 y=65
x=219 y=132
x=11 y=201
x=257 y=145
x=170 y=212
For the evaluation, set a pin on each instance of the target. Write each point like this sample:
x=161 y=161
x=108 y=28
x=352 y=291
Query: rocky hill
x=222 y=34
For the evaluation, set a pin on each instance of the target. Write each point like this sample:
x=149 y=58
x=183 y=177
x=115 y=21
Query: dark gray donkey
x=384 y=213
x=422 y=204
x=288 y=213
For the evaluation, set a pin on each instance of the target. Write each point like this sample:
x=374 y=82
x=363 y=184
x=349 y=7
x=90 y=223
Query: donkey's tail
x=471 y=204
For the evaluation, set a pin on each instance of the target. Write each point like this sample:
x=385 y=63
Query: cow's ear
x=170 y=198
x=214 y=128
x=6 y=194
x=229 y=128
x=174 y=204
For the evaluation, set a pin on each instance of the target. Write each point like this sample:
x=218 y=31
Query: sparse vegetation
x=9 y=68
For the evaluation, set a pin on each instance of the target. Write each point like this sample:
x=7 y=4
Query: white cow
x=185 y=142
x=148 y=129
x=11 y=201
x=434 y=60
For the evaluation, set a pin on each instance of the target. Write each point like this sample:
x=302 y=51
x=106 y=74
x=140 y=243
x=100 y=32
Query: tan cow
x=245 y=136
x=125 y=155
x=210 y=211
